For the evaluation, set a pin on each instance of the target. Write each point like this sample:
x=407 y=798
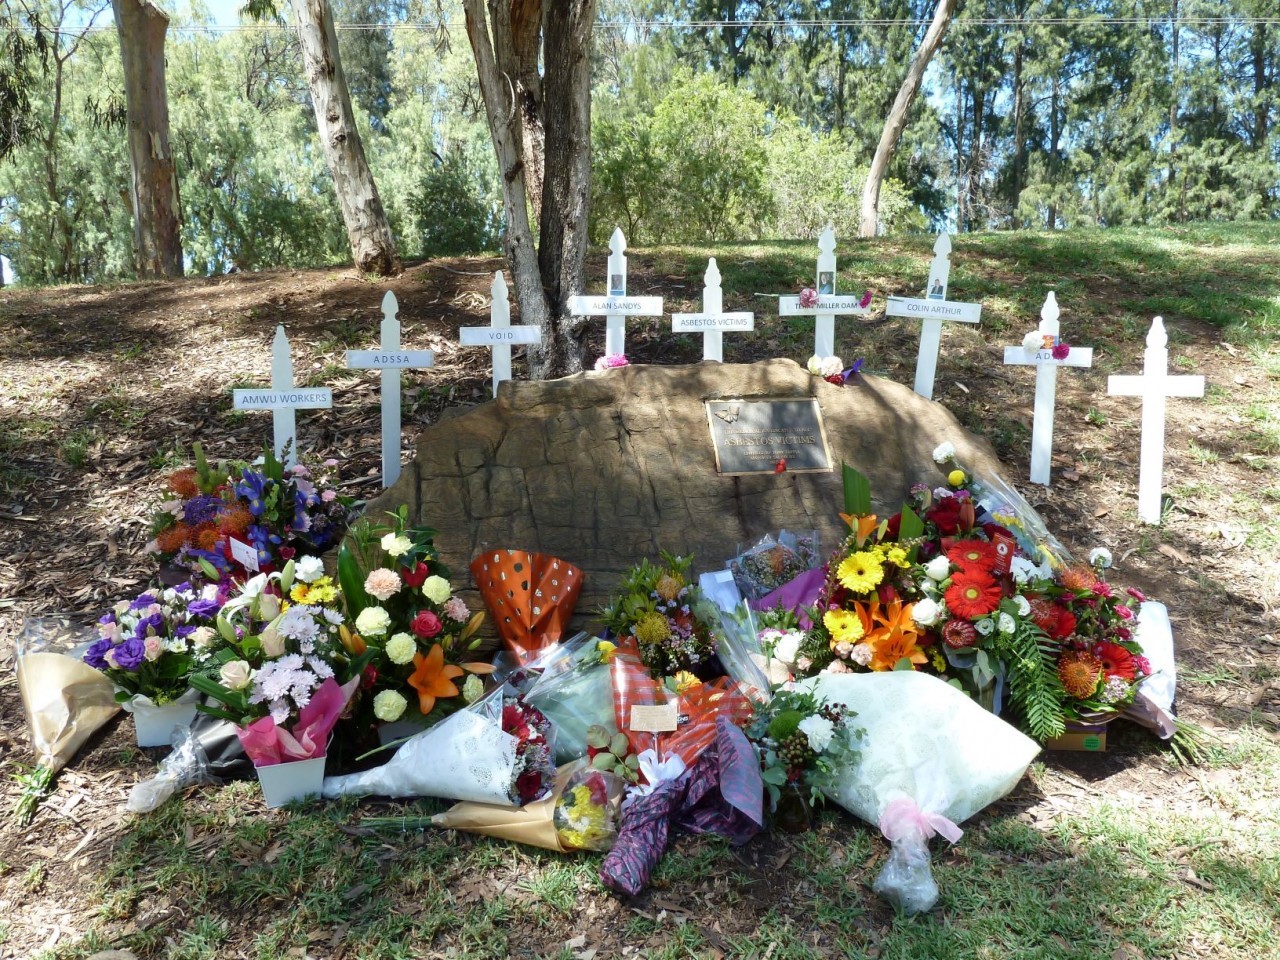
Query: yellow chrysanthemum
x=845 y=626
x=895 y=555
x=299 y=592
x=861 y=572
x=652 y=628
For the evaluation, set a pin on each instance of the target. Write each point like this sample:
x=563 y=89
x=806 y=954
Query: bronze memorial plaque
x=768 y=436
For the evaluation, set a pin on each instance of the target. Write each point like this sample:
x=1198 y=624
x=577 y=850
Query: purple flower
x=95 y=656
x=201 y=508
x=108 y=617
x=203 y=608
x=184 y=631
x=130 y=654
x=145 y=600
x=253 y=487
x=155 y=621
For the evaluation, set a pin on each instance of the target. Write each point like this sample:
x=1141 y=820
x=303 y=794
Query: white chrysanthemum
x=944 y=452
x=436 y=589
x=373 y=622
x=819 y=731
x=298 y=623
x=389 y=706
x=401 y=648
x=1100 y=557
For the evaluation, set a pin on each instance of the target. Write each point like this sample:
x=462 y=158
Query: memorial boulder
x=603 y=468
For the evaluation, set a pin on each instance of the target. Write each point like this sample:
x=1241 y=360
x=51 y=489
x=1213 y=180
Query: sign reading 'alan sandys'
x=768 y=436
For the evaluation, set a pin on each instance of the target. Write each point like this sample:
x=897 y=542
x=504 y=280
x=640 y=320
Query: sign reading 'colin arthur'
x=768 y=436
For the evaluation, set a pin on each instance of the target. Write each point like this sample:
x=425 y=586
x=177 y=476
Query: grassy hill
x=1122 y=855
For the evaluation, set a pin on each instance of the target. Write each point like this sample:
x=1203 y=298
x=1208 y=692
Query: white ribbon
x=655 y=771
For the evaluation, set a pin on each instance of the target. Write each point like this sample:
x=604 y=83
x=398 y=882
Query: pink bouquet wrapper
x=267 y=744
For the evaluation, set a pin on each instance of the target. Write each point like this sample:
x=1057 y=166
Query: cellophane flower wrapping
x=470 y=755
x=65 y=700
x=772 y=562
x=926 y=743
x=575 y=691
x=741 y=652
x=530 y=597
x=588 y=810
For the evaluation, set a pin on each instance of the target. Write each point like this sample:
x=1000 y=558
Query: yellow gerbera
x=844 y=626
x=861 y=572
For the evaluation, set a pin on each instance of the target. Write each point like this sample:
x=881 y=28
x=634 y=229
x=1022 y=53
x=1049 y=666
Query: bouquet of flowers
x=661 y=608
x=283 y=671
x=801 y=740
x=150 y=645
x=774 y=562
x=576 y=692
x=964 y=582
x=245 y=518
x=407 y=622
x=499 y=750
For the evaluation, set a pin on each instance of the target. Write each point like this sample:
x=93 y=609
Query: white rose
x=819 y=730
x=938 y=569
x=1100 y=557
x=1006 y=624
x=925 y=612
x=308 y=569
x=436 y=589
x=815 y=365
x=153 y=646
x=272 y=642
x=1023 y=604
x=394 y=546
x=203 y=637
x=944 y=452
x=373 y=622
x=236 y=675
x=1033 y=341
x=401 y=648
x=388 y=706
x=788 y=647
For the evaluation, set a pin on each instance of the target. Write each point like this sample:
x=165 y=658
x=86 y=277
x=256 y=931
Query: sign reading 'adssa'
x=768 y=436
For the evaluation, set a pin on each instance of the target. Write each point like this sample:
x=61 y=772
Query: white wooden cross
x=616 y=306
x=830 y=304
x=933 y=310
x=500 y=334
x=390 y=359
x=713 y=321
x=1154 y=386
x=283 y=399
x=1046 y=383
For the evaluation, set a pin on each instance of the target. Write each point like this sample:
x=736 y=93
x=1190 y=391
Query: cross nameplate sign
x=283 y=398
x=617 y=306
x=309 y=398
x=768 y=436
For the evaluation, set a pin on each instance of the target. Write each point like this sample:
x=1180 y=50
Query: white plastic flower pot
x=154 y=725
x=411 y=722
x=283 y=783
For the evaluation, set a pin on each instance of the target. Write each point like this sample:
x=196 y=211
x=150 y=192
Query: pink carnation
x=611 y=360
x=382 y=583
x=455 y=609
x=329 y=496
x=1061 y=351
x=808 y=298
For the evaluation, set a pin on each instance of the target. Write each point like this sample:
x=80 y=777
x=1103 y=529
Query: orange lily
x=862 y=527
x=894 y=637
x=433 y=678
x=352 y=641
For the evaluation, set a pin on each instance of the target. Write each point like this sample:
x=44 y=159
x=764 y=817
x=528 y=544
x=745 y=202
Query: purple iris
x=201 y=508
x=145 y=600
x=215 y=559
x=203 y=608
x=254 y=489
x=130 y=654
x=262 y=540
x=301 y=522
x=95 y=656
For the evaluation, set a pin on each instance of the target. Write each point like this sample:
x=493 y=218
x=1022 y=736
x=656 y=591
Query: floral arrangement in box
x=246 y=518
x=665 y=613
x=965 y=583
x=284 y=670
x=407 y=621
x=801 y=740
x=150 y=645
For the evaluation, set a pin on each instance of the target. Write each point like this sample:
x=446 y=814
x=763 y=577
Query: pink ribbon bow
x=902 y=816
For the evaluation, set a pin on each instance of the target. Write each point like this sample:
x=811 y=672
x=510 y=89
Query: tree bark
x=544 y=156
x=897 y=119
x=157 y=221
x=1019 y=135
x=373 y=249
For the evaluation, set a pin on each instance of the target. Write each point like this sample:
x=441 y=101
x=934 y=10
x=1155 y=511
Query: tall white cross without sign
x=283 y=399
x=1046 y=383
x=713 y=321
x=933 y=310
x=500 y=334
x=617 y=306
x=830 y=305
x=1154 y=387
x=390 y=359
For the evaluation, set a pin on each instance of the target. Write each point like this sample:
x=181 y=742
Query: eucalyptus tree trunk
x=373 y=249
x=157 y=221
x=896 y=122
x=541 y=134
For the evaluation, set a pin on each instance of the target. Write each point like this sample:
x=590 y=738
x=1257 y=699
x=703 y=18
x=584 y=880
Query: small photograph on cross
x=618 y=285
x=827 y=282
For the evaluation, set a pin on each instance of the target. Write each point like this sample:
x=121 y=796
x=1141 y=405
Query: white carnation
x=401 y=648
x=1100 y=557
x=819 y=731
x=1033 y=341
x=373 y=622
x=308 y=569
x=388 y=706
x=394 y=546
x=436 y=589
x=944 y=452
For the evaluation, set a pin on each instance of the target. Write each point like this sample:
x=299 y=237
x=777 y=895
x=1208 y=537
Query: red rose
x=288 y=553
x=893 y=527
x=529 y=785
x=426 y=625
x=945 y=515
x=370 y=677
x=415 y=577
x=599 y=793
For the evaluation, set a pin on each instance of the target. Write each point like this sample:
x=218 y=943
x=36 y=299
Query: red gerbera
x=976 y=555
x=1116 y=661
x=1057 y=621
x=972 y=594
